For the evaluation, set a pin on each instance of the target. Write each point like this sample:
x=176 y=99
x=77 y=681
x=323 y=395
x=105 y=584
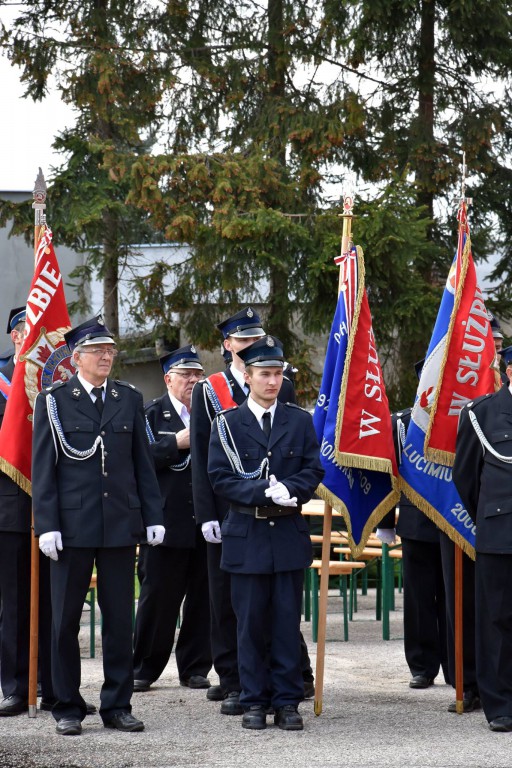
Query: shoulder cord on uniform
x=210 y=393
x=484 y=441
x=177 y=467
x=232 y=454
x=67 y=449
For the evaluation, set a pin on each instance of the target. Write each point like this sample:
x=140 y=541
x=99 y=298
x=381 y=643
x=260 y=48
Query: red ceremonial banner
x=44 y=358
x=468 y=368
x=364 y=436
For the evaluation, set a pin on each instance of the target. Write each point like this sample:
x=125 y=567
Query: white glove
x=386 y=535
x=276 y=490
x=155 y=534
x=211 y=532
x=289 y=502
x=49 y=543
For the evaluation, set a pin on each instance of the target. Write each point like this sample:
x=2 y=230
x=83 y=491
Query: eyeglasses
x=99 y=352
x=190 y=375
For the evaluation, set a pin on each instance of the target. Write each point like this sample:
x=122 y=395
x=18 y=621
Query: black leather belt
x=261 y=513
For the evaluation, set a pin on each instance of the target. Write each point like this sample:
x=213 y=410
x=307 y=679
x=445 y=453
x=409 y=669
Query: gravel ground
x=370 y=718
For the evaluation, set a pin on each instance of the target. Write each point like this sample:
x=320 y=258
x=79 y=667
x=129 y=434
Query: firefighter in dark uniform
x=224 y=390
x=264 y=460
x=15 y=522
x=482 y=473
x=94 y=490
x=424 y=596
x=176 y=571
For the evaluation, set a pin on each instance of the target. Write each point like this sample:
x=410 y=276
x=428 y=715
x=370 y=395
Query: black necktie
x=98 y=392
x=265 y=419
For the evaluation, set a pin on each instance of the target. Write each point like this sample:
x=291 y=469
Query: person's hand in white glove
x=49 y=543
x=276 y=489
x=211 y=531
x=386 y=535
x=155 y=534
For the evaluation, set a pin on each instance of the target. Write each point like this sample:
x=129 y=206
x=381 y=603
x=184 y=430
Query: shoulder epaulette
x=151 y=403
x=227 y=410
x=294 y=405
x=474 y=403
x=403 y=412
x=53 y=387
x=126 y=384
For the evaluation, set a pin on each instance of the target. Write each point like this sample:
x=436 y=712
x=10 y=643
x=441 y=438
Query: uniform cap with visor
x=184 y=358
x=93 y=331
x=243 y=325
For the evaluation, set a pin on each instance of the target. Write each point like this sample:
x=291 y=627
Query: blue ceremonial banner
x=426 y=483
x=362 y=495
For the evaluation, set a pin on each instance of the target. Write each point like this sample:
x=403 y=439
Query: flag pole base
x=318 y=708
x=32 y=710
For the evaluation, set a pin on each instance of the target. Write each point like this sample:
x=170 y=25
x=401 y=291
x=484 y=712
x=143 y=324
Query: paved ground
x=370 y=718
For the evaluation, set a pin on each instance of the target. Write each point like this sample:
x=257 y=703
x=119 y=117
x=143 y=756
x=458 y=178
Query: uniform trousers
x=468 y=616
x=494 y=633
x=168 y=576
x=424 y=608
x=70 y=579
x=15 y=569
x=268 y=610
x=223 y=622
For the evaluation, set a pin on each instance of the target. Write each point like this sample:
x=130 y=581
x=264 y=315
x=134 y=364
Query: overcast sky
x=27 y=131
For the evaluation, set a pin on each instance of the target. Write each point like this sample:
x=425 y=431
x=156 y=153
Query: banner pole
x=39 y=206
x=346 y=244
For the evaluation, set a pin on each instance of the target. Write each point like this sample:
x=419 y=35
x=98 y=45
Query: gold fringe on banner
x=376 y=516
x=436 y=518
x=15 y=475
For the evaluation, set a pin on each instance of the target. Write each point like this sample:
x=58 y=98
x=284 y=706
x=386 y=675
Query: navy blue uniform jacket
x=207 y=505
x=92 y=508
x=251 y=545
x=175 y=484
x=482 y=480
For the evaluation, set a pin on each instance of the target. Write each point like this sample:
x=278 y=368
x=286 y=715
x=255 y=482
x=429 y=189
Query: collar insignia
x=114 y=392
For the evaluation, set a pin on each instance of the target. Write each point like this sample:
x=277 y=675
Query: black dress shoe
x=470 y=702
x=141 y=686
x=288 y=719
x=47 y=705
x=309 y=689
x=124 y=721
x=255 y=718
x=195 y=681
x=13 y=705
x=69 y=726
x=502 y=724
x=231 y=704
x=420 y=681
x=215 y=693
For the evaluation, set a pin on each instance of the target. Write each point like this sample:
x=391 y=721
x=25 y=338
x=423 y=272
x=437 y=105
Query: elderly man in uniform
x=94 y=489
x=15 y=522
x=264 y=460
x=219 y=391
x=177 y=570
x=482 y=473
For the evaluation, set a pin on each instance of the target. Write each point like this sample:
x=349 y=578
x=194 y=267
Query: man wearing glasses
x=94 y=490
x=177 y=570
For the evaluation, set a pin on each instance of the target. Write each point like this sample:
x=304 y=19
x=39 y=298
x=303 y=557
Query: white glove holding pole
x=386 y=535
x=211 y=531
x=49 y=543
x=155 y=534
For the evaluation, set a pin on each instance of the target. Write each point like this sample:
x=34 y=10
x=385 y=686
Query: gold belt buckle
x=258 y=516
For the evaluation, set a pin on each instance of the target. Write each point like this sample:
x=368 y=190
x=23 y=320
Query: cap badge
x=250 y=313
x=193 y=349
x=270 y=341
